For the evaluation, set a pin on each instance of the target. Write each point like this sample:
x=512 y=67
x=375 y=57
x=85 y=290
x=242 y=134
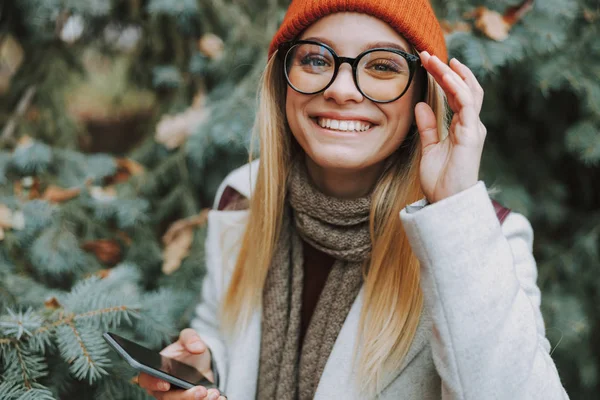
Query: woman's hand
x=191 y=350
x=452 y=165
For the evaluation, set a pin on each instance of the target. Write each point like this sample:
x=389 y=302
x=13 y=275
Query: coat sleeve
x=479 y=282
x=206 y=318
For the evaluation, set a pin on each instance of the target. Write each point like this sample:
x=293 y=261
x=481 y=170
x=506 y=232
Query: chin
x=340 y=160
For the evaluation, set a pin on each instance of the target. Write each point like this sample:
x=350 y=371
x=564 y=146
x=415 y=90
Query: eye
x=385 y=66
x=314 y=61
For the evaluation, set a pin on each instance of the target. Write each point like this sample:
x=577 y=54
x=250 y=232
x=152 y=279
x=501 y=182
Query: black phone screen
x=167 y=365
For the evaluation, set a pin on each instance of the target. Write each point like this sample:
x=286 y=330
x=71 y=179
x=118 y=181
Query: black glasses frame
x=414 y=63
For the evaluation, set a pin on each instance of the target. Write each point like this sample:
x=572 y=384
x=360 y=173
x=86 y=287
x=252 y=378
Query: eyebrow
x=371 y=45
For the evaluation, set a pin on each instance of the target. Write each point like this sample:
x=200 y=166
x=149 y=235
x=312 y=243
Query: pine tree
x=119 y=120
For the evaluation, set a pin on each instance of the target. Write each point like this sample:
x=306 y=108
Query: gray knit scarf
x=337 y=227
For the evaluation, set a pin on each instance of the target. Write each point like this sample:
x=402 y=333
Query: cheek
x=293 y=106
x=399 y=116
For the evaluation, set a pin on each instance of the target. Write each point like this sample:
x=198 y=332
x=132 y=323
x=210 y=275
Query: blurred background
x=119 y=118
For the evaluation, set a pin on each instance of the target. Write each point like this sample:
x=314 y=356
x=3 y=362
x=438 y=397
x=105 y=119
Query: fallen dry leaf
x=178 y=240
x=126 y=168
x=27 y=188
x=175 y=227
x=56 y=194
x=495 y=25
x=514 y=14
x=491 y=23
x=211 y=46
x=173 y=130
x=177 y=249
x=11 y=59
x=52 y=303
x=107 y=251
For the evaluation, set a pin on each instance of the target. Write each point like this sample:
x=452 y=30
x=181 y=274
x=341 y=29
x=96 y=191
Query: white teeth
x=344 y=125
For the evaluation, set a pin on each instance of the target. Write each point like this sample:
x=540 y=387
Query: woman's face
x=349 y=34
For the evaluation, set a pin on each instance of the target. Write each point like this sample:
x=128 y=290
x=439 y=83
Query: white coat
x=481 y=334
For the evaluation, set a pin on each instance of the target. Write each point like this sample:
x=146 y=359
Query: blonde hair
x=392 y=294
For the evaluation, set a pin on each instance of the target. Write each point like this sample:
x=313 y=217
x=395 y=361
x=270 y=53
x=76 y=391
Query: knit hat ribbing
x=414 y=19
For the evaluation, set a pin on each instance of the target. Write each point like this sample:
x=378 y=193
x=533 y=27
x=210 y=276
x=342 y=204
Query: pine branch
x=16 y=391
x=84 y=349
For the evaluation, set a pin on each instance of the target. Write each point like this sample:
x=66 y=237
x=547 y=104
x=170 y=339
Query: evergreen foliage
x=123 y=117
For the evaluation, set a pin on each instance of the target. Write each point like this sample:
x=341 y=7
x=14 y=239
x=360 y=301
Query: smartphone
x=143 y=359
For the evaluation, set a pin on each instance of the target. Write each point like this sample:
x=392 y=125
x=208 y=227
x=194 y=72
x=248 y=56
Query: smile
x=343 y=125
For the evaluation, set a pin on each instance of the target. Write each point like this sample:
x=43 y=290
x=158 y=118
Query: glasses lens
x=309 y=67
x=383 y=75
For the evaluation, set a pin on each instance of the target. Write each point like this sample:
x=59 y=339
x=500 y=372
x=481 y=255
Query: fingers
x=192 y=342
x=457 y=90
x=195 y=393
x=427 y=125
x=469 y=78
x=153 y=384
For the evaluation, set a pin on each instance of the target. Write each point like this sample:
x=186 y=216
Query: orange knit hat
x=414 y=19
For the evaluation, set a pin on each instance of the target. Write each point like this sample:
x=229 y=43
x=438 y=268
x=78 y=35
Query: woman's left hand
x=451 y=165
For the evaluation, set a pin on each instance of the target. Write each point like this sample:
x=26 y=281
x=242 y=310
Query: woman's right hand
x=192 y=350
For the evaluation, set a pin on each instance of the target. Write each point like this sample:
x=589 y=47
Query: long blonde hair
x=392 y=294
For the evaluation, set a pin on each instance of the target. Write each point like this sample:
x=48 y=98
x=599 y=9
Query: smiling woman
x=371 y=262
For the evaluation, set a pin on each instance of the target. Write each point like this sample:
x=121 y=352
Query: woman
x=338 y=281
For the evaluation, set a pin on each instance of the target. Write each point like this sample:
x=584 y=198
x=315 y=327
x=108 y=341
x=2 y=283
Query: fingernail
x=196 y=346
x=163 y=386
x=200 y=394
x=425 y=52
x=213 y=396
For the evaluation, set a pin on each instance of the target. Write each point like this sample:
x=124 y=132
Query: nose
x=343 y=89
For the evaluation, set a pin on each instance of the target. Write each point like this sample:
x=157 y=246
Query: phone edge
x=144 y=368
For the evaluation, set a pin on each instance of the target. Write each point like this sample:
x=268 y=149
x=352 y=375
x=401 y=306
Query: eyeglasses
x=382 y=75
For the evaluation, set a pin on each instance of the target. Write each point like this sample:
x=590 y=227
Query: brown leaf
x=173 y=130
x=52 y=303
x=211 y=46
x=490 y=23
x=177 y=249
x=11 y=59
x=125 y=169
x=56 y=194
x=107 y=251
x=196 y=220
x=496 y=26
x=514 y=14
x=27 y=188
x=178 y=240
